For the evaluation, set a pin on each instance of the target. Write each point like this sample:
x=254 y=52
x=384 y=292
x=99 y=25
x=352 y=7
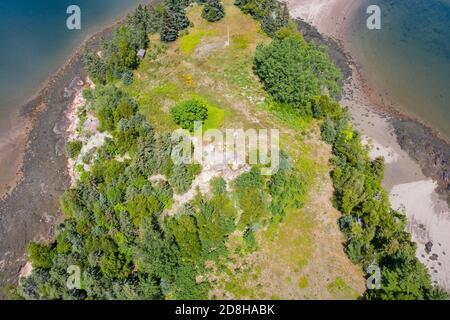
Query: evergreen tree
x=213 y=11
x=155 y=19
x=139 y=17
x=146 y=18
x=169 y=30
x=177 y=8
x=95 y=67
x=275 y=18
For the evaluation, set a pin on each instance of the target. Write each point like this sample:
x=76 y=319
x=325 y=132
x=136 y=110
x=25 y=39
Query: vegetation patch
x=340 y=290
x=73 y=149
x=187 y=113
x=190 y=41
x=303 y=282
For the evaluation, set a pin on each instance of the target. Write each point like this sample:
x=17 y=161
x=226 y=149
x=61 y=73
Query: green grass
x=288 y=116
x=156 y=103
x=239 y=284
x=239 y=41
x=303 y=282
x=341 y=290
x=168 y=90
x=215 y=118
x=189 y=42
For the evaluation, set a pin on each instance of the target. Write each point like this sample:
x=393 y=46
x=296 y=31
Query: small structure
x=141 y=53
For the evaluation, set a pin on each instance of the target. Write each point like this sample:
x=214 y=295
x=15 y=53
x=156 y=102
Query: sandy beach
x=408 y=187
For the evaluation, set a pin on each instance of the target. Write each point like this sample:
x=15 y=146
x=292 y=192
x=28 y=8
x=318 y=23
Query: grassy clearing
x=291 y=241
x=189 y=42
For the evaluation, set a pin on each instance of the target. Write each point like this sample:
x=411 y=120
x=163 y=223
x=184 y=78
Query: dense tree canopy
x=376 y=233
x=294 y=72
x=169 y=29
x=118 y=55
x=174 y=19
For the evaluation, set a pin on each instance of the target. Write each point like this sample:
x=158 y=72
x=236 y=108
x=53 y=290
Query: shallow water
x=408 y=60
x=35 y=42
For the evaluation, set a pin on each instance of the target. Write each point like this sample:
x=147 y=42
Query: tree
x=182 y=176
x=252 y=198
x=184 y=228
x=177 y=8
x=73 y=148
x=127 y=77
x=294 y=72
x=95 y=67
x=139 y=18
x=156 y=253
x=40 y=255
x=275 y=18
x=437 y=293
x=155 y=19
x=186 y=113
x=147 y=18
x=256 y=8
x=120 y=53
x=213 y=11
x=169 y=30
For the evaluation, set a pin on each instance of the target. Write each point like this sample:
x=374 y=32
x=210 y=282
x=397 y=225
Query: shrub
x=186 y=113
x=127 y=77
x=40 y=255
x=73 y=148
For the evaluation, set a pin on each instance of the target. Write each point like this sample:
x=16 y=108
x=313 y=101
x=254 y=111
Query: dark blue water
x=408 y=60
x=35 y=42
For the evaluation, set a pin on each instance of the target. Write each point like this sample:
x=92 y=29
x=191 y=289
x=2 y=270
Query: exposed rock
x=428 y=247
x=431 y=152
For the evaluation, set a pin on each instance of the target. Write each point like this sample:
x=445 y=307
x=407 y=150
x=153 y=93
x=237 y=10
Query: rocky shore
x=30 y=211
x=417 y=159
x=431 y=152
x=421 y=143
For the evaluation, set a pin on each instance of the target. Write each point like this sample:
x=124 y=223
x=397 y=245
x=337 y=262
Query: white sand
x=428 y=220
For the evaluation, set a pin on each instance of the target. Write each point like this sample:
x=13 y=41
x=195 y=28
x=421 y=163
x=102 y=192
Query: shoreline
x=35 y=104
x=415 y=154
x=42 y=173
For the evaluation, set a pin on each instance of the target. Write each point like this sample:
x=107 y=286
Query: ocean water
x=35 y=42
x=408 y=60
